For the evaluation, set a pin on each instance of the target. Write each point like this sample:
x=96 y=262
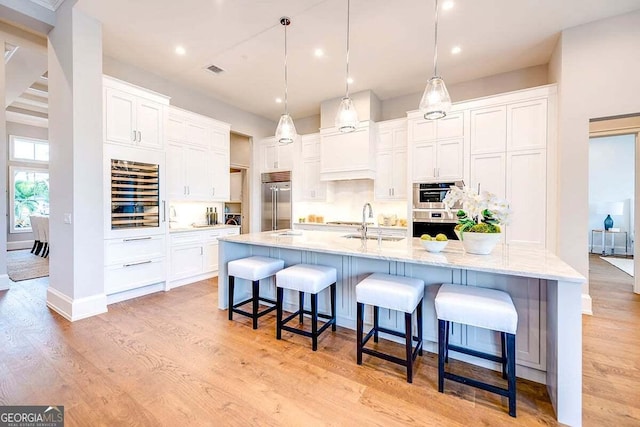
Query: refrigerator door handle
x=275 y=208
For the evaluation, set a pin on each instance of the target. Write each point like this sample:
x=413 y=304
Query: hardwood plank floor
x=174 y=359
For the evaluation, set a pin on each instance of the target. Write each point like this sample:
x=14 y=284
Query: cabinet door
x=150 y=123
x=311 y=146
x=450 y=161
x=198 y=171
x=220 y=139
x=220 y=188
x=120 y=111
x=176 y=178
x=527 y=125
x=424 y=162
x=210 y=256
x=312 y=188
x=385 y=140
x=186 y=261
x=270 y=156
x=526 y=193
x=489 y=172
x=198 y=134
x=488 y=130
x=451 y=126
x=383 y=184
x=176 y=129
x=399 y=174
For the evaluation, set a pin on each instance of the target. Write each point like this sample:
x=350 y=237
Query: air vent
x=215 y=69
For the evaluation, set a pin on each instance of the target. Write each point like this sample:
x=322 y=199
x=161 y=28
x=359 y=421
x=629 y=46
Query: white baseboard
x=22 y=244
x=135 y=293
x=587 y=304
x=5 y=282
x=77 y=309
x=193 y=279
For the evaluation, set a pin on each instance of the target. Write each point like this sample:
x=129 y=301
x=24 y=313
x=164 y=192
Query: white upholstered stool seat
x=311 y=279
x=480 y=307
x=306 y=278
x=397 y=293
x=254 y=269
x=391 y=292
x=483 y=308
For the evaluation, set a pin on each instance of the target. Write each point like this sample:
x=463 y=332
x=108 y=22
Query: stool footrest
x=484 y=386
x=297 y=313
x=476 y=353
x=414 y=353
x=306 y=333
x=385 y=356
x=259 y=314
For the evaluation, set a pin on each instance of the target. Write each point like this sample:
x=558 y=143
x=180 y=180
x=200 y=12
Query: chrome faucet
x=363 y=230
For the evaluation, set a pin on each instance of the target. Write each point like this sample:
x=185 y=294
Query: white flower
x=473 y=204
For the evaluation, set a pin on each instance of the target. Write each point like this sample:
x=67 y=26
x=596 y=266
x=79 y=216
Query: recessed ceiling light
x=278 y=100
x=319 y=53
x=447 y=5
x=350 y=80
x=180 y=50
x=456 y=50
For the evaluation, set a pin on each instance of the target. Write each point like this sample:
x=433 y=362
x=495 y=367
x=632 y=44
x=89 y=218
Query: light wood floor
x=174 y=359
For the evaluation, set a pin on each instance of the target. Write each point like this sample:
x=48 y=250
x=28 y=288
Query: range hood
x=346 y=156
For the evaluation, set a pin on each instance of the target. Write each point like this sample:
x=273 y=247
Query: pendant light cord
x=286 y=108
x=435 y=46
x=347 y=78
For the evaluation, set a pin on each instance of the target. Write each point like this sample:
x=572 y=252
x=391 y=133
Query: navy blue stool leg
x=231 y=290
x=279 y=298
x=441 y=353
x=301 y=302
x=359 y=329
x=376 y=318
x=333 y=307
x=408 y=346
x=504 y=354
x=256 y=302
x=314 y=321
x=511 y=372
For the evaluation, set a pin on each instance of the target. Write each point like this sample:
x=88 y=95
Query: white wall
x=4 y=279
x=598 y=77
x=611 y=179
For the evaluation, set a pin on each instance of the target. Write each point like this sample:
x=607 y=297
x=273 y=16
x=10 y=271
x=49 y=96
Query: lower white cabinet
x=134 y=262
x=194 y=254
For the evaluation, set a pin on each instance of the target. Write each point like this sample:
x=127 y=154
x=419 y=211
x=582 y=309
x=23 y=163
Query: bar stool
x=483 y=308
x=254 y=269
x=311 y=279
x=394 y=293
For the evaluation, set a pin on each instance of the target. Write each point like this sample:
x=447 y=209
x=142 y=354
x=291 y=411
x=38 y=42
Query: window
x=29 y=196
x=28 y=149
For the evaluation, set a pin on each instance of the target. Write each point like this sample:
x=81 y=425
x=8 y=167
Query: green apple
x=426 y=237
x=441 y=238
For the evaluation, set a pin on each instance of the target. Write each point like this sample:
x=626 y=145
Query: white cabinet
x=197 y=157
x=488 y=130
x=276 y=156
x=133 y=262
x=488 y=172
x=133 y=116
x=438 y=160
x=194 y=254
x=313 y=189
x=348 y=155
x=527 y=125
x=437 y=147
x=391 y=161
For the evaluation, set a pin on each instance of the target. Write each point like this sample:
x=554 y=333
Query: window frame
x=12 y=191
x=36 y=141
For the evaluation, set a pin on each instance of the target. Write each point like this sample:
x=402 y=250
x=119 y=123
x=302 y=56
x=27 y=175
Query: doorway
x=614 y=187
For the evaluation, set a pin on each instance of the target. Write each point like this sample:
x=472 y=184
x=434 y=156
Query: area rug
x=23 y=265
x=624 y=264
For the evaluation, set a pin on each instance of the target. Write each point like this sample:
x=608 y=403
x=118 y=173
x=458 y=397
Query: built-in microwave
x=431 y=195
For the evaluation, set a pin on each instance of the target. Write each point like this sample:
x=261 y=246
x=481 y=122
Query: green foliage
x=489 y=223
x=27 y=196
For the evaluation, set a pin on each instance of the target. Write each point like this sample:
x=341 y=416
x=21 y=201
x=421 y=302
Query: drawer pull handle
x=137 y=263
x=136 y=239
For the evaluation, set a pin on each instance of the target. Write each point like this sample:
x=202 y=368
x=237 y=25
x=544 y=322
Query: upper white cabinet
x=488 y=130
x=391 y=161
x=348 y=155
x=437 y=147
x=275 y=156
x=312 y=188
x=527 y=125
x=133 y=116
x=197 y=157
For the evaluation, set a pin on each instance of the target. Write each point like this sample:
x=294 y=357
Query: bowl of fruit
x=434 y=244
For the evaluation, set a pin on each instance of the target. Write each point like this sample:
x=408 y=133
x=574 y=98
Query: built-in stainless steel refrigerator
x=276 y=201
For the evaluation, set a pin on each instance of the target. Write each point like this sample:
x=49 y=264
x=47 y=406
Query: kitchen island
x=545 y=290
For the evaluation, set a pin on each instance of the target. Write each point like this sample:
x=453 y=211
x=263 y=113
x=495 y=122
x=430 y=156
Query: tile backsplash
x=183 y=214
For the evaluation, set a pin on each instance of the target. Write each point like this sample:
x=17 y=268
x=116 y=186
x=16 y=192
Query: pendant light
x=435 y=102
x=347 y=117
x=286 y=130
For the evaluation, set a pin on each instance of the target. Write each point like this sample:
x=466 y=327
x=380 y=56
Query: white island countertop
x=505 y=259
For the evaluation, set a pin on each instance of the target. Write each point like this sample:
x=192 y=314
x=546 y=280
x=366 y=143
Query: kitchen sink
x=288 y=233
x=386 y=238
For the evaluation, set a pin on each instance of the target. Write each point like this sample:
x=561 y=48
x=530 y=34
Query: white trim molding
x=77 y=309
x=587 y=304
x=21 y=244
x=4 y=282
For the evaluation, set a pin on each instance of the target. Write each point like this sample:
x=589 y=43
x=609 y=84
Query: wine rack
x=135 y=195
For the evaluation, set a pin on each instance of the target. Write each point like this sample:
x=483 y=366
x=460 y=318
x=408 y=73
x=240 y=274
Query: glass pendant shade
x=435 y=102
x=347 y=117
x=286 y=130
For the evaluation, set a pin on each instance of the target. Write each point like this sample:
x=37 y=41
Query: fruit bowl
x=434 y=245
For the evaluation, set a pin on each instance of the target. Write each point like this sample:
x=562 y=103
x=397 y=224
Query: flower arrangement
x=480 y=213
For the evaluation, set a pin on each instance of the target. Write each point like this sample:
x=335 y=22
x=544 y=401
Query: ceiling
x=391 y=43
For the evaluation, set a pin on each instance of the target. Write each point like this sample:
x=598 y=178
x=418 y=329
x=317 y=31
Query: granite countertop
x=354 y=225
x=182 y=228
x=505 y=259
